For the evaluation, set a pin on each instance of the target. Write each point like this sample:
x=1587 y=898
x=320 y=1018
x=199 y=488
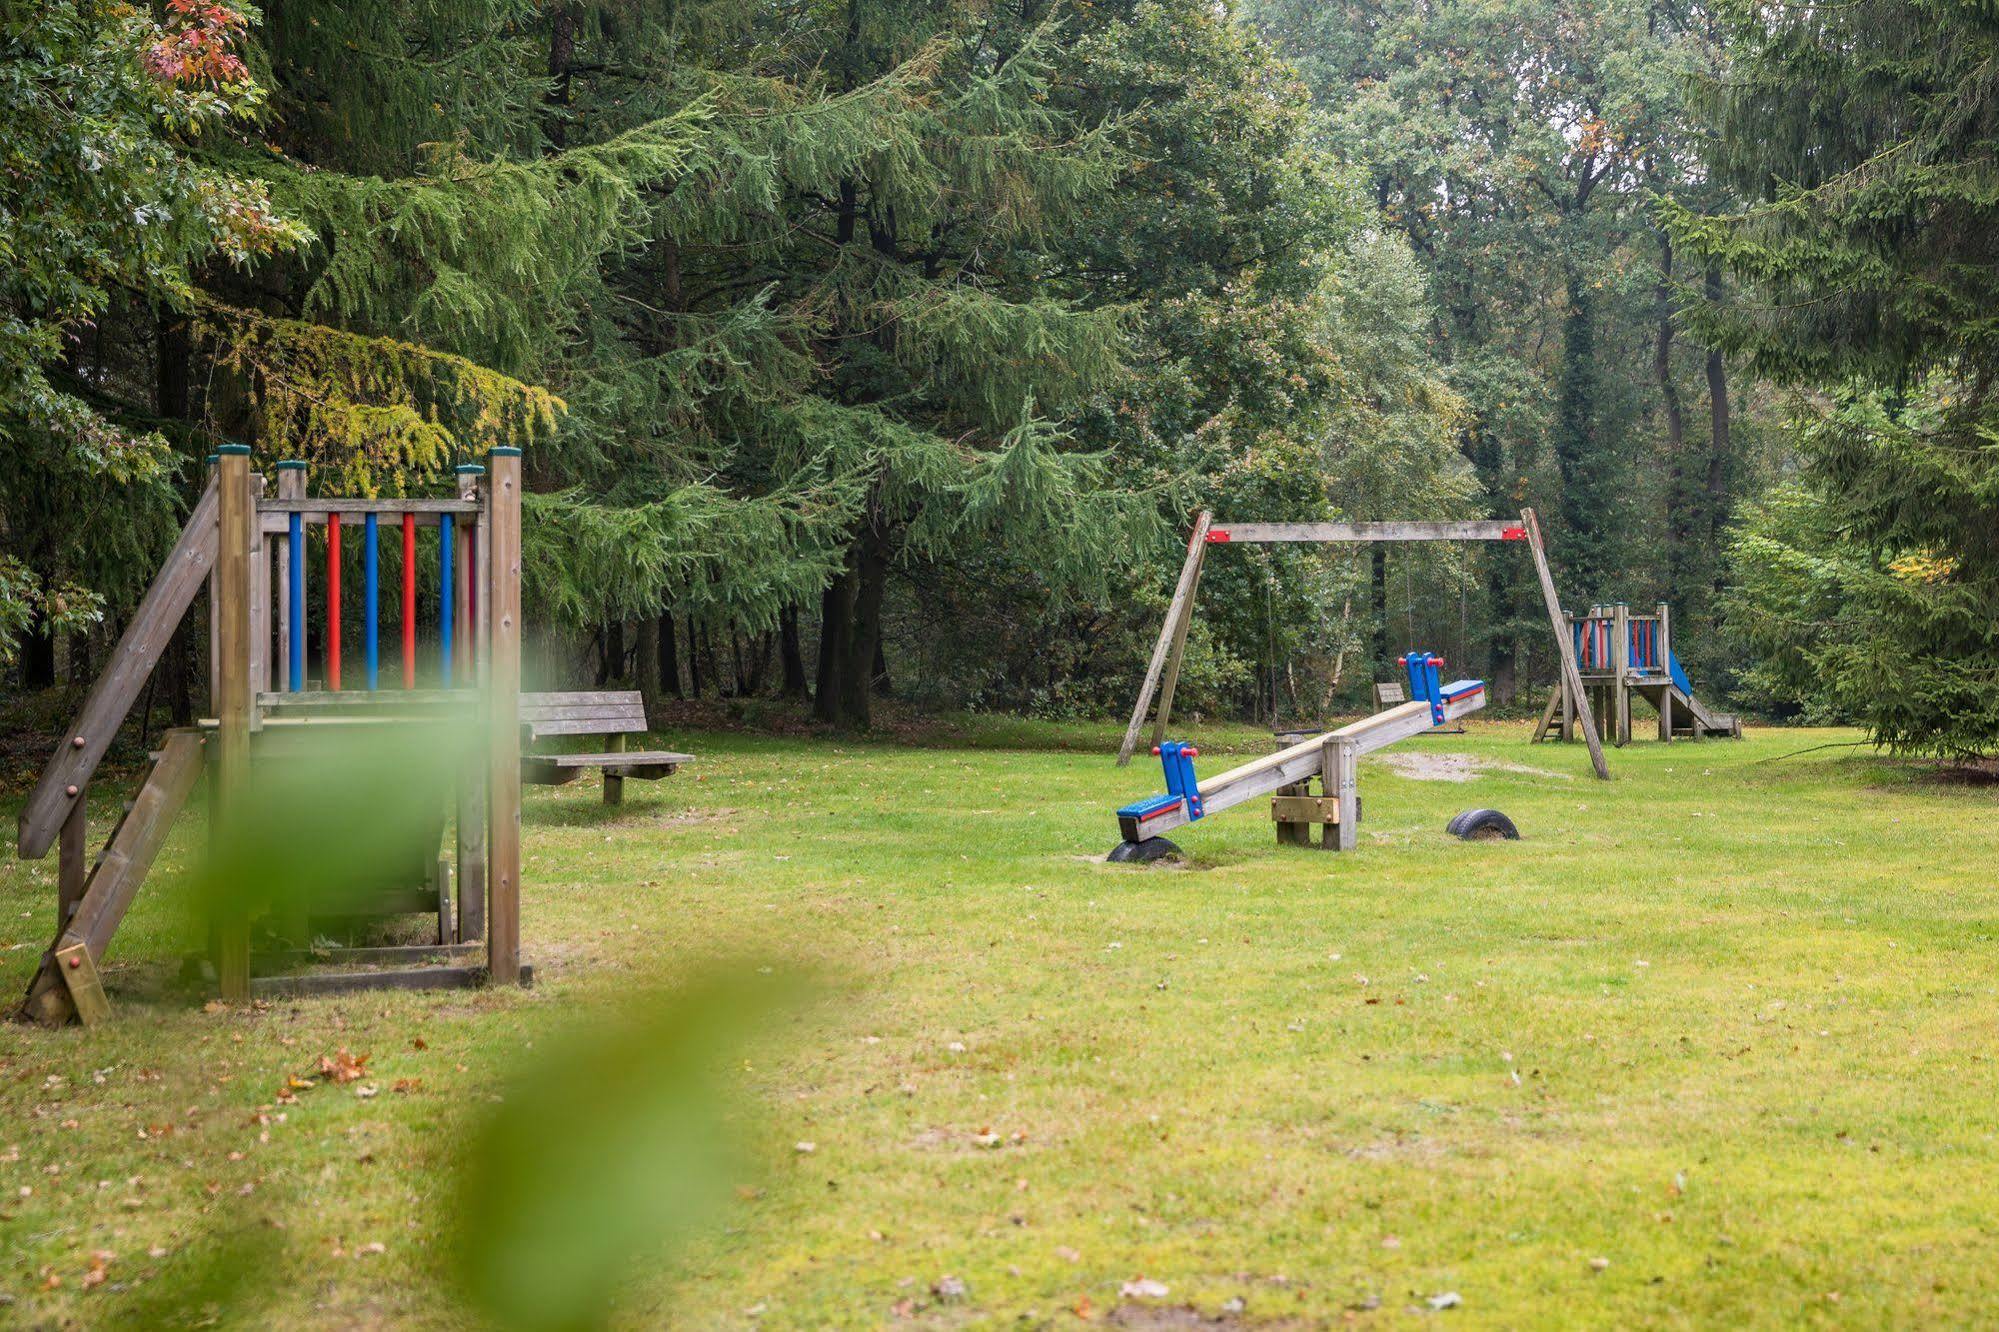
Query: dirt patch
x=1175 y=1318
x=1457 y=767
x=1962 y=772
x=1155 y=1318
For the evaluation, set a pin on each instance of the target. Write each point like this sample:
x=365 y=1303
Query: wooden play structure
x=1162 y=673
x=1332 y=760
x=250 y=549
x=1621 y=656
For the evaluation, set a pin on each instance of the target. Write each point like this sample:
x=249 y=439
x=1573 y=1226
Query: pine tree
x=1868 y=258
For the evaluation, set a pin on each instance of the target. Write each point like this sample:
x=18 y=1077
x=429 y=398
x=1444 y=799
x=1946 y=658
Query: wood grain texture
x=1277 y=533
x=502 y=597
x=234 y=701
x=1181 y=604
x=159 y=613
x=1563 y=647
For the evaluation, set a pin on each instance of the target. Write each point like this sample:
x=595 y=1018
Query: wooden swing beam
x=1166 y=653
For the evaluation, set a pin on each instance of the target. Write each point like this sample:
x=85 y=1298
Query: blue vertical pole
x=296 y=574
x=444 y=606
x=371 y=592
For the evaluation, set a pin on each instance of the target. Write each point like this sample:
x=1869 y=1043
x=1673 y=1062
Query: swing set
x=1162 y=673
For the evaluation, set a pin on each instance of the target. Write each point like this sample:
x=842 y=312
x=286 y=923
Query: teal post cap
x=233 y=450
x=469 y=469
x=504 y=451
x=291 y=465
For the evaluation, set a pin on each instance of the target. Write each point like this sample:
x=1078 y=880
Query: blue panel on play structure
x=1679 y=675
x=1423 y=669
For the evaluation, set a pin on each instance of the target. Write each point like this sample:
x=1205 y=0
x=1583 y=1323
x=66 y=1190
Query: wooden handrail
x=84 y=745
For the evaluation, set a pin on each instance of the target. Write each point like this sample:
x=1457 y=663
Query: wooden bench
x=614 y=713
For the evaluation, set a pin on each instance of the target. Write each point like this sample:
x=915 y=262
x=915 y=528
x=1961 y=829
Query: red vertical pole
x=333 y=601
x=409 y=601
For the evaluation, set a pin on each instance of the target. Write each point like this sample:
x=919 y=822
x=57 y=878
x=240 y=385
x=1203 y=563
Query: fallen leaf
x=341 y=1067
x=1145 y=1288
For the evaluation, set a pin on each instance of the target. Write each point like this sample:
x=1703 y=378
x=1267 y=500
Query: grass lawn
x=1713 y=1045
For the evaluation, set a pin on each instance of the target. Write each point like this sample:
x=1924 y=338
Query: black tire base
x=1142 y=853
x=1482 y=825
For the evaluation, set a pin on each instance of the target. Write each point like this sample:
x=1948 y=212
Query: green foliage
x=1518 y=144
x=1899 y=638
x=616 y=1148
x=99 y=199
x=1867 y=261
x=375 y=413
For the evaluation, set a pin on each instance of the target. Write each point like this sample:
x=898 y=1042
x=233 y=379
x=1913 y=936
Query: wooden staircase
x=66 y=985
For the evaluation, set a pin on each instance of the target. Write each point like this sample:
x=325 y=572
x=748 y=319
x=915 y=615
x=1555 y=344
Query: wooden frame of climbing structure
x=258 y=623
x=1162 y=673
x=1621 y=655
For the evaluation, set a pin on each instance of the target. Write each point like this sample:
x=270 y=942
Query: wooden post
x=214 y=617
x=234 y=704
x=72 y=861
x=1171 y=683
x=501 y=546
x=260 y=604
x=1665 y=664
x=1567 y=632
x=614 y=783
x=291 y=486
x=1620 y=671
x=1342 y=781
x=1179 y=607
x=468 y=653
x=1570 y=675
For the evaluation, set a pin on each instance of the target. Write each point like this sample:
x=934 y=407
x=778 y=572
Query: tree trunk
x=669 y=656
x=1720 y=451
x=790 y=654
x=1680 y=528
x=1586 y=485
x=561 y=56
x=647 y=669
x=693 y=661
x=1384 y=656
x=836 y=634
x=864 y=638
x=611 y=664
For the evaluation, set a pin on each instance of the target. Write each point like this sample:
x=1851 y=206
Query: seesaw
x=1332 y=758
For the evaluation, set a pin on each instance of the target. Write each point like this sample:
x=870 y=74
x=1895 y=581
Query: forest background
x=882 y=349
